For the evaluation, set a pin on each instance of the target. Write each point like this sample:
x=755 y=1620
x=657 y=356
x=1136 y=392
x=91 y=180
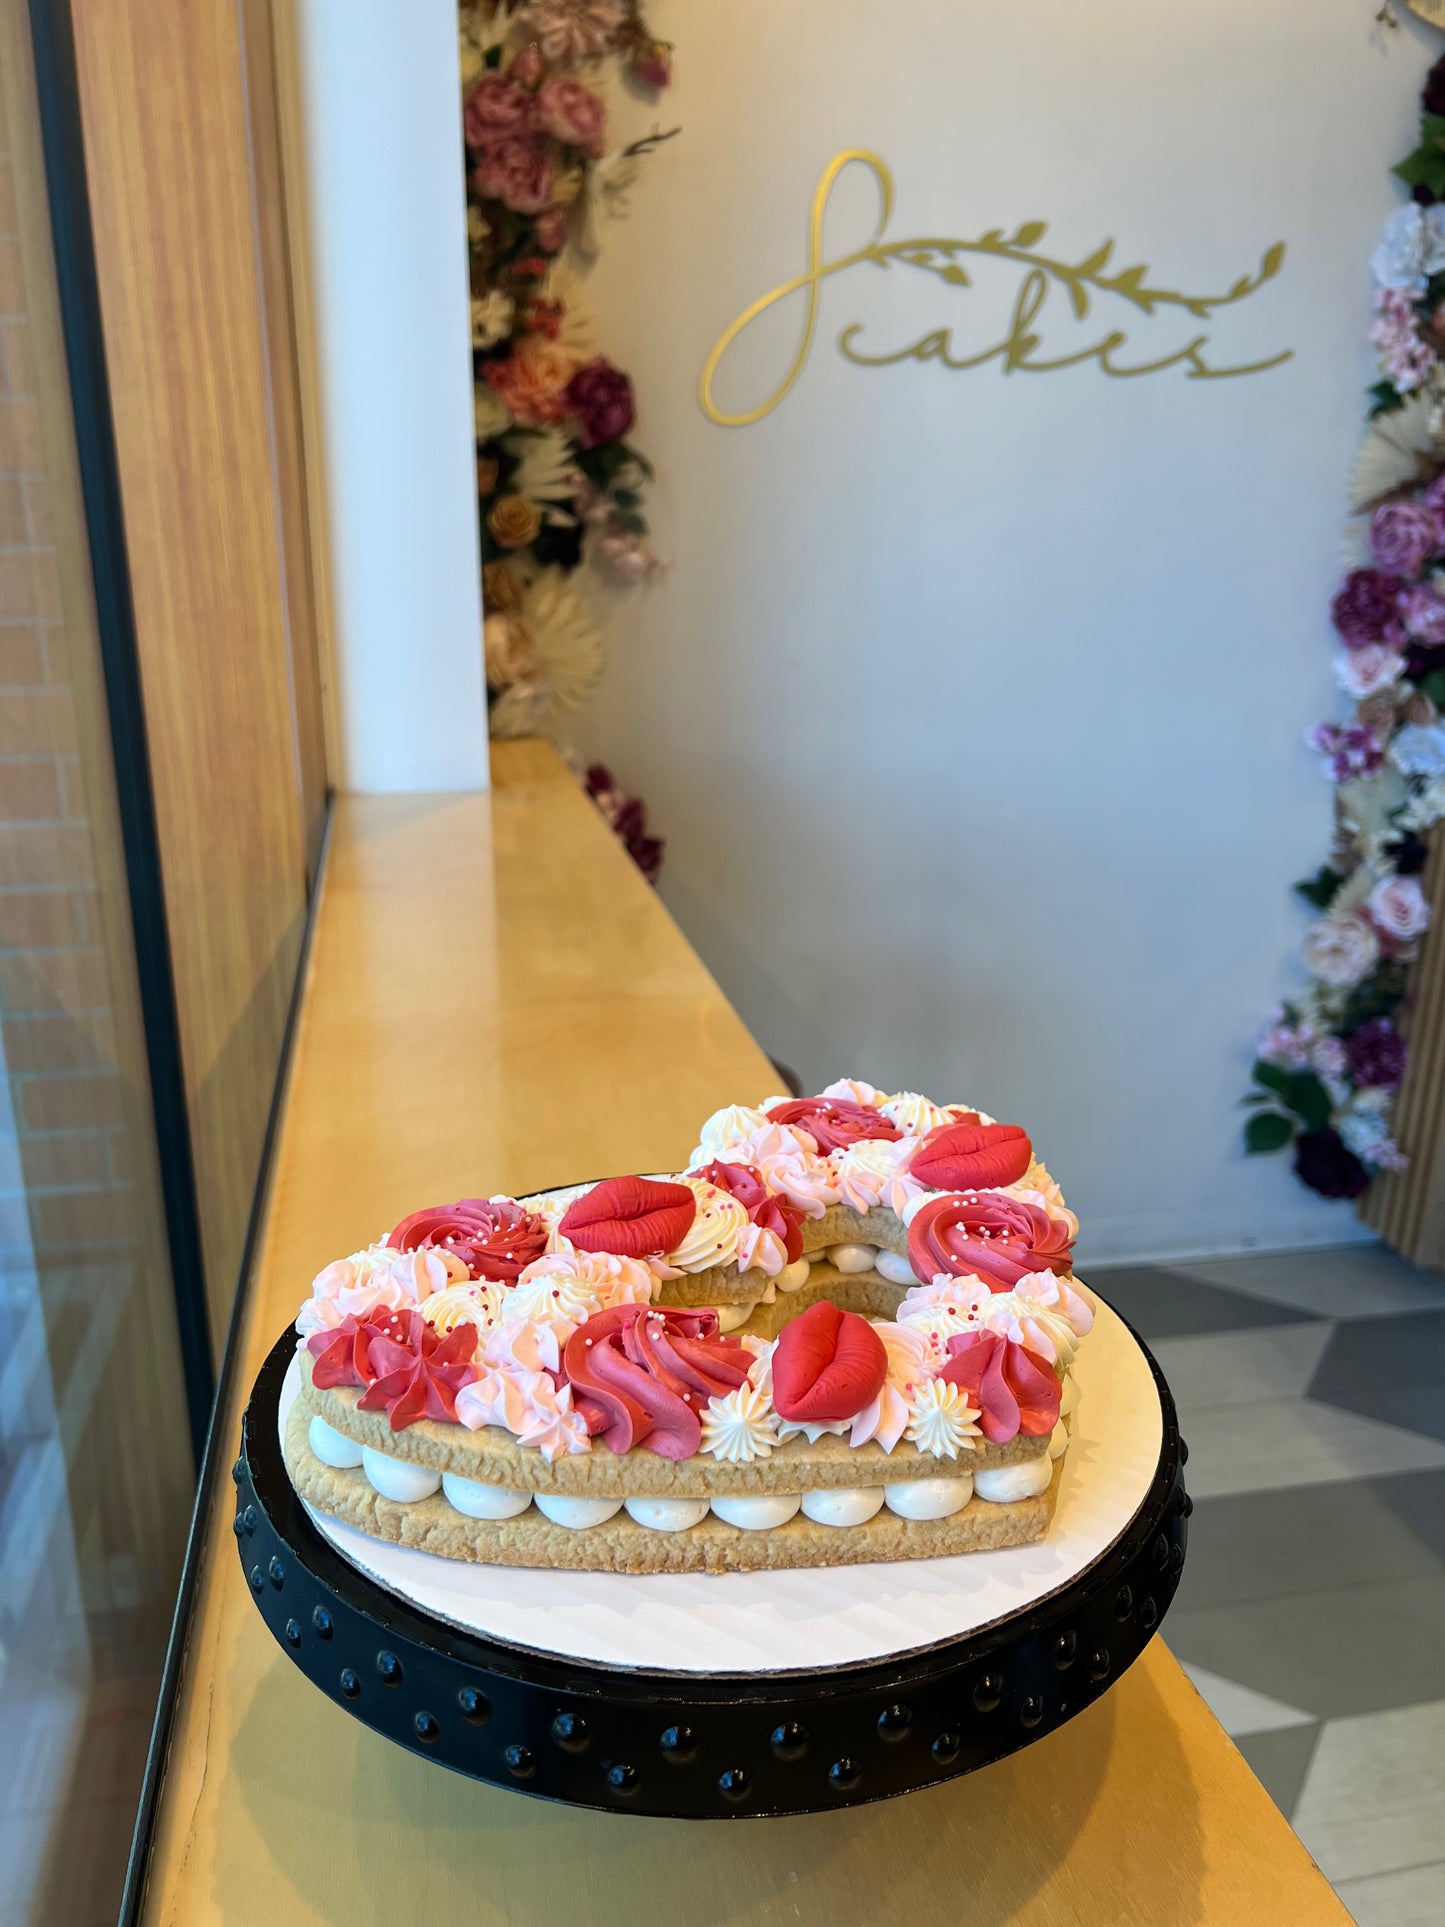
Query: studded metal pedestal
x=695 y=1746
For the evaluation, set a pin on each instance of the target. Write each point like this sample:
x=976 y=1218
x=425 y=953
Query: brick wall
x=62 y=1174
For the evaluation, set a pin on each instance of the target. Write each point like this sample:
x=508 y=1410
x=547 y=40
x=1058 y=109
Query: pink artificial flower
x=550 y=234
x=1423 y=607
x=496 y=109
x=1398 y=908
x=1350 y=750
x=572 y=113
x=517 y=173
x=1403 y=537
x=1405 y=355
x=652 y=63
x=526 y=68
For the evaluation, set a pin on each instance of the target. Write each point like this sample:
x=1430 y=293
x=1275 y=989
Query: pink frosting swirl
x=833 y=1123
x=641 y=1376
x=1012 y=1387
x=494 y=1237
x=992 y=1237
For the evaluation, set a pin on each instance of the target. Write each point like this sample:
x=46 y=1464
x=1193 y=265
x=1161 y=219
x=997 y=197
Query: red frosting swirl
x=493 y=1237
x=1012 y=1387
x=828 y=1364
x=833 y=1123
x=631 y=1217
x=418 y=1375
x=745 y=1183
x=971 y=1157
x=341 y=1353
x=997 y=1239
x=641 y=1376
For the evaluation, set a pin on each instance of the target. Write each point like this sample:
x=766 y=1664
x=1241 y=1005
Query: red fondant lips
x=972 y=1157
x=631 y=1217
x=833 y=1123
x=828 y=1364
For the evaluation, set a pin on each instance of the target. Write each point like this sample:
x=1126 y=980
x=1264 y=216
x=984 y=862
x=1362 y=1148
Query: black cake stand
x=706 y=1746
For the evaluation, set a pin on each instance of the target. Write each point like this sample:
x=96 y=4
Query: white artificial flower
x=1411 y=249
x=1367 y=1135
x=490 y=413
x=1419 y=750
x=546 y=471
x=492 y=317
x=607 y=196
x=1340 y=950
x=1426 y=809
x=1365 y=671
x=567 y=641
x=520 y=710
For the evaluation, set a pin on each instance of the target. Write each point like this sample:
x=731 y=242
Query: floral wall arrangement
x=1330 y=1063
x=559 y=481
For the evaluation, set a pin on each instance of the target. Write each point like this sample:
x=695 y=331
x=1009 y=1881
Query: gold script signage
x=1021 y=349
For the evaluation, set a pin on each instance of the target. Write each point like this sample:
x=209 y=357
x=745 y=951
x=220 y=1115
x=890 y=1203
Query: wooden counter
x=495 y=1000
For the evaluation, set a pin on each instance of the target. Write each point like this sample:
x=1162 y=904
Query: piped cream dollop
x=740 y=1427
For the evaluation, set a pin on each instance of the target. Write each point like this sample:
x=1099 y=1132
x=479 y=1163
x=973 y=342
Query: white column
x=387 y=220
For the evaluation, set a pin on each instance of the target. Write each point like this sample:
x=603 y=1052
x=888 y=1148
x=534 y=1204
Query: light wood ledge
x=496 y=1000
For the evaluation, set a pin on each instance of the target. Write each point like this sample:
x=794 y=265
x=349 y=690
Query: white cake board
x=804 y=1620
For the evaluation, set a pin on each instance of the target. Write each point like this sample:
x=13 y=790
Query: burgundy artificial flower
x=1421 y=661
x=652 y=63
x=600 y=396
x=1407 y=857
x=628 y=817
x=1324 y=1162
x=1377 y=1055
x=1365 y=605
x=1433 y=98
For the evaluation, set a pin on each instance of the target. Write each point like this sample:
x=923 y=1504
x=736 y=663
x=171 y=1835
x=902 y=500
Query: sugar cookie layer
x=620 y=1544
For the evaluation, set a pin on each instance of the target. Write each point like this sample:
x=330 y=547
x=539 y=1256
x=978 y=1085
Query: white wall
x=393 y=341
x=972 y=707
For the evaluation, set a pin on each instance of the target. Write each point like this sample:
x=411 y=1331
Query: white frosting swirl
x=941 y=1419
x=943 y=1310
x=1048 y=1314
x=740 y=1427
x=734 y=1124
x=868 y=1173
x=913 y=1114
x=565 y=1288
x=852 y=1090
x=717 y=1228
x=477 y=1303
